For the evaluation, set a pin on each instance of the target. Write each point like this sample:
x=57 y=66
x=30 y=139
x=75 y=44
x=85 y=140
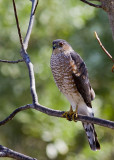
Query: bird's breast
x=62 y=73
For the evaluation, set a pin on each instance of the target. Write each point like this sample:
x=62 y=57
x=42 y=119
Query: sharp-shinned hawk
x=71 y=76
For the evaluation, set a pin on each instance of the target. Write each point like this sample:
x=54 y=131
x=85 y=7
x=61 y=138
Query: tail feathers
x=92 y=136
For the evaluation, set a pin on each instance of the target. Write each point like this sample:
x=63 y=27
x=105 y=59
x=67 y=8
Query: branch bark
x=103 y=48
x=24 y=47
x=57 y=113
x=13 y=62
x=6 y=152
x=31 y=22
x=91 y=4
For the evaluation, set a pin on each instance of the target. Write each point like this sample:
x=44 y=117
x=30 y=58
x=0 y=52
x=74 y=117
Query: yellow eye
x=61 y=44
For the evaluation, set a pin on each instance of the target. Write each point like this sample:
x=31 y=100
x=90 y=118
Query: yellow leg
x=68 y=115
x=76 y=111
x=75 y=115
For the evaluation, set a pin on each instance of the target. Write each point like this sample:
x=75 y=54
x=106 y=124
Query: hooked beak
x=54 y=45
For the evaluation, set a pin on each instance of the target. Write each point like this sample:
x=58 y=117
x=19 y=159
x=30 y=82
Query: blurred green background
x=34 y=133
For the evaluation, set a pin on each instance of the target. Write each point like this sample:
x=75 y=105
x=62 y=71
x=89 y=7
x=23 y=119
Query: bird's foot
x=75 y=115
x=68 y=115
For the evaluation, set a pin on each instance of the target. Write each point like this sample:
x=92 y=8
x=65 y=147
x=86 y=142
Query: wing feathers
x=80 y=76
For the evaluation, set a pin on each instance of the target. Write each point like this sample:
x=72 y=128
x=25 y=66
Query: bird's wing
x=80 y=76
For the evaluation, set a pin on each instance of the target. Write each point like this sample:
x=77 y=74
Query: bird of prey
x=71 y=77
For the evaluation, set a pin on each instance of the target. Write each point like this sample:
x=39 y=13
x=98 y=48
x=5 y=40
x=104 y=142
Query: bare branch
x=13 y=62
x=17 y=22
x=32 y=83
x=35 y=7
x=20 y=37
x=91 y=4
x=6 y=152
x=103 y=48
x=24 y=54
x=98 y=39
x=56 y=113
x=10 y=117
x=29 y=30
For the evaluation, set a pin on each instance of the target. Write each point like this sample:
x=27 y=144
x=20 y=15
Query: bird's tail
x=92 y=136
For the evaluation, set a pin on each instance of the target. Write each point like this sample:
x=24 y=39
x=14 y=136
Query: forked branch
x=5 y=152
x=24 y=47
x=56 y=113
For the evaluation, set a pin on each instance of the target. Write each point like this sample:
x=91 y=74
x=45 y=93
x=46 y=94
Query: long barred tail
x=92 y=136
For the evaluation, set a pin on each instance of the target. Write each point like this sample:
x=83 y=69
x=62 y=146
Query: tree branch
x=6 y=152
x=31 y=21
x=35 y=6
x=91 y=4
x=17 y=22
x=57 y=113
x=12 y=115
x=103 y=48
x=13 y=62
x=24 y=46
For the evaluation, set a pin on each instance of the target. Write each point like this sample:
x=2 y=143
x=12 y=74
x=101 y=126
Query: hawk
x=71 y=77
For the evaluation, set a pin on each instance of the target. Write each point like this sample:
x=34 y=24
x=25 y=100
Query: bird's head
x=60 y=46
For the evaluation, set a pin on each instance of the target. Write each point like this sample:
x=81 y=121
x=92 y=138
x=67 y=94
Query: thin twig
x=91 y=4
x=29 y=30
x=98 y=39
x=13 y=62
x=12 y=115
x=103 y=48
x=57 y=113
x=35 y=7
x=6 y=152
x=17 y=22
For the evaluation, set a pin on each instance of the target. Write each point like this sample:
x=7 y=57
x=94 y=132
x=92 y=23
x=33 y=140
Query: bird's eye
x=61 y=44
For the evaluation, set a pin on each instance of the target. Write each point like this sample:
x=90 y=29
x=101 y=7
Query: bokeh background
x=34 y=133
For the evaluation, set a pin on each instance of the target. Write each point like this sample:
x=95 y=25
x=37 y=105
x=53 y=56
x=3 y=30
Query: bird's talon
x=74 y=117
x=68 y=115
